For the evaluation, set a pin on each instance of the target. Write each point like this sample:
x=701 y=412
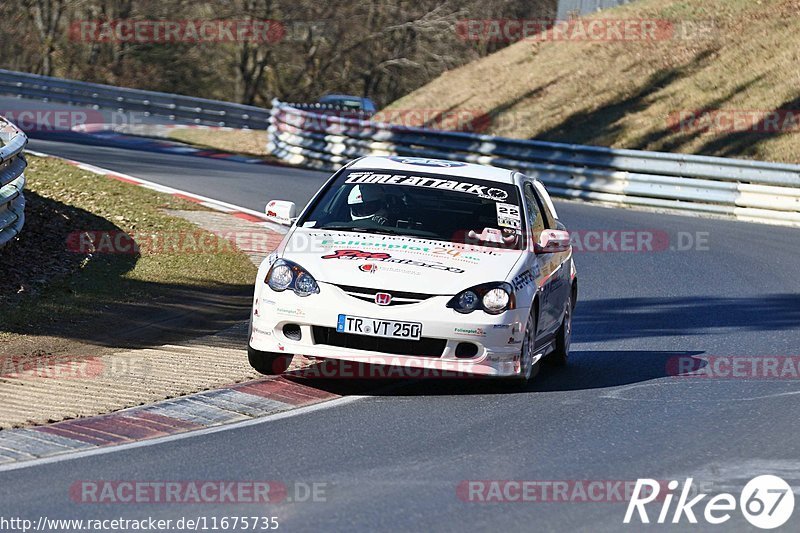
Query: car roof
x=435 y=166
x=337 y=96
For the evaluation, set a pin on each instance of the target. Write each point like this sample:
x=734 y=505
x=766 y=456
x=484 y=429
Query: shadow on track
x=591 y=369
x=623 y=318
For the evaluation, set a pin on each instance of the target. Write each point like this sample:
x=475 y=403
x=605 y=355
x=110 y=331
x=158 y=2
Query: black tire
x=528 y=343
x=560 y=356
x=268 y=363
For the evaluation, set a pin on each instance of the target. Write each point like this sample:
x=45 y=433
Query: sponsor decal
x=356 y=254
x=508 y=216
x=368 y=267
x=261 y=331
x=483 y=191
x=290 y=312
x=426 y=162
x=384 y=257
x=501 y=326
x=523 y=280
x=474 y=332
x=271 y=258
x=500 y=358
x=451 y=250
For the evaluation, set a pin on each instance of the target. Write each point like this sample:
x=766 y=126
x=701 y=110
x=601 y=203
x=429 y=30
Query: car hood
x=395 y=262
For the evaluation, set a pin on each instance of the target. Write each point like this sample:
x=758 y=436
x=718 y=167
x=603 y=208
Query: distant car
x=350 y=103
x=422 y=263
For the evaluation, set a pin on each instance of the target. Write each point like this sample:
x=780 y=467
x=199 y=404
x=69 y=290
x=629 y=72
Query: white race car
x=419 y=263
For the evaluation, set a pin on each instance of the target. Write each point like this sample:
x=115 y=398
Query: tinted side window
x=549 y=220
x=536 y=221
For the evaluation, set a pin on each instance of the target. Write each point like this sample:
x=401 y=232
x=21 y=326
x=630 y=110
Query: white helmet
x=364 y=201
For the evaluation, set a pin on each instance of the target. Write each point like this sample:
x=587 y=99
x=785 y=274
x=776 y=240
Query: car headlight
x=493 y=298
x=468 y=301
x=496 y=300
x=280 y=277
x=285 y=274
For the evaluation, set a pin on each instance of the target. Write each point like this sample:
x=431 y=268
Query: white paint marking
x=217 y=205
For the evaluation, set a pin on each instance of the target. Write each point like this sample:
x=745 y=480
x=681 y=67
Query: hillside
x=736 y=59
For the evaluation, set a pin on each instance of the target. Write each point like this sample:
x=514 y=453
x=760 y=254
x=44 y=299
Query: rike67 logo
x=767 y=502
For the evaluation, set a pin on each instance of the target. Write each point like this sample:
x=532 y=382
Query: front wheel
x=268 y=363
x=560 y=355
x=527 y=368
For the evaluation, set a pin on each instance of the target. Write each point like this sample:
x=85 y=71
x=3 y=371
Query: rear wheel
x=268 y=363
x=560 y=355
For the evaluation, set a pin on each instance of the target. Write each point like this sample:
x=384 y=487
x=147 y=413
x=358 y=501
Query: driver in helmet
x=367 y=202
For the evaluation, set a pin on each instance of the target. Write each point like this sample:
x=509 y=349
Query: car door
x=540 y=264
x=559 y=284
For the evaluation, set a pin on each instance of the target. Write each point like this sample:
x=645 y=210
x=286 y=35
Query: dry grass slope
x=623 y=93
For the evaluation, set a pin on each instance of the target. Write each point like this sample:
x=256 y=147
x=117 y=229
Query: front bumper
x=497 y=338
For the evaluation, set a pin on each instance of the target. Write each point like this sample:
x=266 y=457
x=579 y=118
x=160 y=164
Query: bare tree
x=46 y=16
x=382 y=49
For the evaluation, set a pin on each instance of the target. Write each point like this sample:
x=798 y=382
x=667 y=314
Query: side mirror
x=281 y=212
x=552 y=241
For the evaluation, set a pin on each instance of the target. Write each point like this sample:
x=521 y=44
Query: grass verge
x=50 y=293
x=730 y=55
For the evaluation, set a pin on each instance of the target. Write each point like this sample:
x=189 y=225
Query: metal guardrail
x=12 y=181
x=173 y=106
x=331 y=109
x=568 y=8
x=746 y=190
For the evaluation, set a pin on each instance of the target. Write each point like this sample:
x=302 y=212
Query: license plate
x=379 y=328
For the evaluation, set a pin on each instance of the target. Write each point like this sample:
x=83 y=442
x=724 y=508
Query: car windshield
x=429 y=206
x=348 y=103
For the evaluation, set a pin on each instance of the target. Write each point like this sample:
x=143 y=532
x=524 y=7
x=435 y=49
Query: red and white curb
x=234 y=210
x=239 y=403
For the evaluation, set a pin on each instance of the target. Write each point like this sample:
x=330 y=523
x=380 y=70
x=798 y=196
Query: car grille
x=398 y=297
x=425 y=347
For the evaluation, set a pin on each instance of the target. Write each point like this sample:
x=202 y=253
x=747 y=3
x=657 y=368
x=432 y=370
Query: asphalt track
x=393 y=460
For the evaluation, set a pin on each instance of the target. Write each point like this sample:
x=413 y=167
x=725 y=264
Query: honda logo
x=383 y=298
